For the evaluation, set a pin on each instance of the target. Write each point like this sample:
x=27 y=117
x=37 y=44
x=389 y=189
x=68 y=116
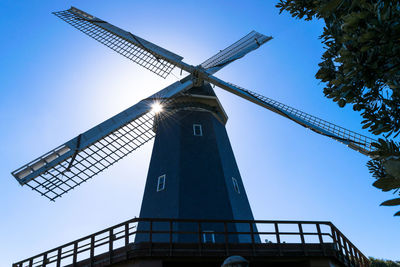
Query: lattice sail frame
x=249 y=42
x=93 y=151
x=356 y=141
x=95 y=158
x=148 y=55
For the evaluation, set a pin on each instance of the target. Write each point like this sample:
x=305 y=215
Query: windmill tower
x=193 y=173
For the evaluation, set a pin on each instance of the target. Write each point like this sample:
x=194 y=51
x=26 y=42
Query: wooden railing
x=258 y=237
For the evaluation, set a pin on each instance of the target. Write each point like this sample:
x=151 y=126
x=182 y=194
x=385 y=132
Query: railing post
x=340 y=241
x=366 y=261
x=59 y=257
x=363 y=263
x=352 y=254
x=319 y=234
x=345 y=245
x=126 y=234
x=302 y=239
x=126 y=240
x=321 y=241
x=226 y=238
x=91 y=250
x=336 y=241
x=357 y=256
x=199 y=234
x=44 y=259
x=362 y=260
x=170 y=237
x=252 y=238
x=30 y=262
x=278 y=238
x=75 y=253
x=110 y=245
x=151 y=237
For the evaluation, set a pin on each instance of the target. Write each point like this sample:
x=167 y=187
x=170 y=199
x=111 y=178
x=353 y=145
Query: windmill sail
x=148 y=55
x=358 y=142
x=79 y=159
x=237 y=50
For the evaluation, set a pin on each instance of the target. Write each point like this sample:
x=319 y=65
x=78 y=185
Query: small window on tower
x=235 y=185
x=197 y=130
x=161 y=183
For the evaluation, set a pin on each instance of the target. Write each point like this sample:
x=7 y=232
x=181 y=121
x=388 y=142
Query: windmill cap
x=235 y=261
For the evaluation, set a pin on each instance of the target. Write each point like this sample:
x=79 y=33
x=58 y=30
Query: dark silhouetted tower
x=193 y=173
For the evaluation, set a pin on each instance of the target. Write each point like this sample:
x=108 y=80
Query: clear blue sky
x=56 y=82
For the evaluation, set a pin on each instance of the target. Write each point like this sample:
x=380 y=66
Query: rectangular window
x=235 y=185
x=161 y=183
x=197 y=130
x=208 y=237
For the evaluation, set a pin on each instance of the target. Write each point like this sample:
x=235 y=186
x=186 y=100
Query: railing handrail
x=340 y=241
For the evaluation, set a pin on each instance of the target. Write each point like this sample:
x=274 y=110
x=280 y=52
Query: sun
x=156 y=107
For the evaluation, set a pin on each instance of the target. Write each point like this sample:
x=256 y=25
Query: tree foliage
x=361 y=67
x=383 y=263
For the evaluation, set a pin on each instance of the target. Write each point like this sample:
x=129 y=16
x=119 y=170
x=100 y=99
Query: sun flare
x=156 y=107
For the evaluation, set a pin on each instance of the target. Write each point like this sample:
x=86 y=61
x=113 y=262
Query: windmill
x=187 y=121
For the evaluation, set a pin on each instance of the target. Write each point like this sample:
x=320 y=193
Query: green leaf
x=341 y=103
x=387 y=183
x=331 y=6
x=391 y=202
